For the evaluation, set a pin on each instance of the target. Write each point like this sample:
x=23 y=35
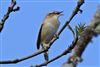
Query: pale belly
x=48 y=32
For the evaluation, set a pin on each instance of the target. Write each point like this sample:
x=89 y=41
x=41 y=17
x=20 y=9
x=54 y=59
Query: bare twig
x=76 y=10
x=5 y=17
x=69 y=49
x=70 y=28
x=22 y=59
x=53 y=40
x=83 y=41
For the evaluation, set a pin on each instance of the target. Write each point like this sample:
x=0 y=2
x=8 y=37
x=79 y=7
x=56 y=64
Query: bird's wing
x=39 y=37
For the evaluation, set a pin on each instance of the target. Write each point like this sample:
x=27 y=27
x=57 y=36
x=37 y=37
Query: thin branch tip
x=6 y=16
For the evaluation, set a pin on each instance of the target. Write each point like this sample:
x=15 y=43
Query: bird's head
x=54 y=14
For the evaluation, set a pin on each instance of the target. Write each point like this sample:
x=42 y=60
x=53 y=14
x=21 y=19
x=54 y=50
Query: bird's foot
x=56 y=36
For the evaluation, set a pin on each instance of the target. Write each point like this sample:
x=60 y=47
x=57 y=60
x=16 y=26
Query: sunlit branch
x=85 y=37
x=6 y=16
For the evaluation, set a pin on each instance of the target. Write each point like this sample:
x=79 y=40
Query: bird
x=48 y=30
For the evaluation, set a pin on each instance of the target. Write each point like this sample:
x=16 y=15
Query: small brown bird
x=48 y=30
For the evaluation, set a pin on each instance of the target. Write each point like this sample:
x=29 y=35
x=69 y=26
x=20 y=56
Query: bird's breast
x=48 y=31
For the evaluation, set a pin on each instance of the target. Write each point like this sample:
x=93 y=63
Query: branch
x=10 y=9
x=75 y=11
x=77 y=8
x=83 y=41
x=68 y=50
x=24 y=58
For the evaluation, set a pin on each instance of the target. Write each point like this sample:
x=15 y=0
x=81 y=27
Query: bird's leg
x=56 y=36
x=45 y=47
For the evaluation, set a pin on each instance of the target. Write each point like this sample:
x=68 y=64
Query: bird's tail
x=46 y=57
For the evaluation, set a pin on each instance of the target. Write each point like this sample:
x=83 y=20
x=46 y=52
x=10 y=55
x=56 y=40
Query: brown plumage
x=48 y=30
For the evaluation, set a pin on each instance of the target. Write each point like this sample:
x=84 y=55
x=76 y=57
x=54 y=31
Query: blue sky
x=18 y=38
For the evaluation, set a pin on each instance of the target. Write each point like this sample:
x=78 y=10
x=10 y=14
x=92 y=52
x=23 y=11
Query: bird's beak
x=61 y=13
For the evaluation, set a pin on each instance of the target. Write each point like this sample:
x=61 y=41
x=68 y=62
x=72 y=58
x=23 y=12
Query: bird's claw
x=56 y=36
